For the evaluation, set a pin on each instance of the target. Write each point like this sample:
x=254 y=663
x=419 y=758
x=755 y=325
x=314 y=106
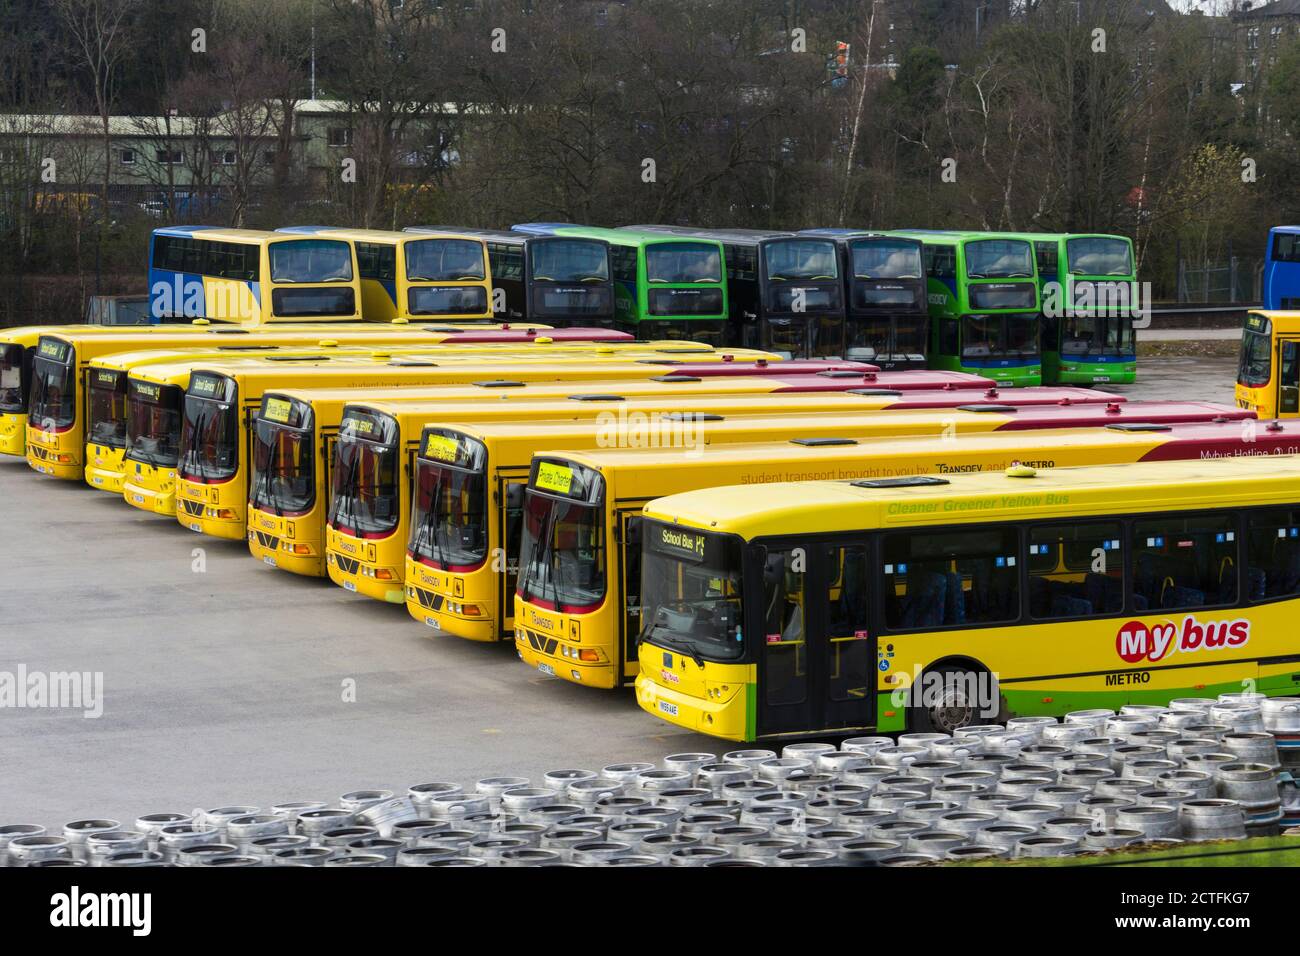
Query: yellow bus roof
x=645 y=352
x=470 y=367
x=1064 y=494
x=581 y=400
x=381 y=235
x=896 y=444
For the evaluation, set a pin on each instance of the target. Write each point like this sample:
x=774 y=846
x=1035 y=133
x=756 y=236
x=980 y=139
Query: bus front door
x=816 y=659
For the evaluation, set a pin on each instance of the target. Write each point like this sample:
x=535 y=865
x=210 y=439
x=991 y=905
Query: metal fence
x=1232 y=280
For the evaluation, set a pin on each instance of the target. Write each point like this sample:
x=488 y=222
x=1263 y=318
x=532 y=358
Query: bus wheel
x=948 y=700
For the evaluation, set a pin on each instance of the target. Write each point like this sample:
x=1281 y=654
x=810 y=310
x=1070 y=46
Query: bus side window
x=784 y=663
x=1289 y=378
x=938 y=578
x=1272 y=555
x=1184 y=562
x=1075 y=571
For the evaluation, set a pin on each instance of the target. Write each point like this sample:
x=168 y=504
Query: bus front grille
x=192 y=508
x=347 y=565
x=428 y=600
x=540 y=642
x=268 y=541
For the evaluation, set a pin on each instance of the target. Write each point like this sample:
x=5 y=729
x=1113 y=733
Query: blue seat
x=1063 y=605
x=954 y=600
x=924 y=602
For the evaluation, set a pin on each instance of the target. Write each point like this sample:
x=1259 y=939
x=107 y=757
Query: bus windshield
x=449 y=515
x=1097 y=335
x=13 y=396
x=999 y=336
x=886 y=259
x=1099 y=256
x=800 y=260
x=444 y=260
x=999 y=259
x=366 y=492
x=106 y=424
x=209 y=439
x=1256 y=366
x=154 y=423
x=682 y=262
x=283 y=480
x=570 y=260
x=53 y=399
x=311 y=260
x=562 y=553
x=692 y=592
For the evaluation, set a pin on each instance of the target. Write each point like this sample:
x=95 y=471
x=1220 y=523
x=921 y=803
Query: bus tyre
x=947 y=698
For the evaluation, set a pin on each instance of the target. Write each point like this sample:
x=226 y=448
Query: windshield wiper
x=427 y=523
x=347 y=490
x=191 y=449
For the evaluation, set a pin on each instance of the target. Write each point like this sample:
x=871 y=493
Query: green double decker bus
x=1090 y=299
x=665 y=287
x=985 y=304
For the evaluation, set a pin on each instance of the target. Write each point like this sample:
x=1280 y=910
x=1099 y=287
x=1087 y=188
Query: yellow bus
x=577 y=610
x=461 y=567
x=416 y=276
x=106 y=382
x=289 y=491
x=1268 y=369
x=214 y=443
x=773 y=612
x=54 y=416
x=250 y=276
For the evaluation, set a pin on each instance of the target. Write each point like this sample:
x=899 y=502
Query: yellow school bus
x=54 y=417
x=577 y=610
x=929 y=603
x=211 y=478
x=1268 y=369
x=425 y=276
x=289 y=490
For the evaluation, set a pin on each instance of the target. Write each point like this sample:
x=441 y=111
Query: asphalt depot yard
x=230 y=685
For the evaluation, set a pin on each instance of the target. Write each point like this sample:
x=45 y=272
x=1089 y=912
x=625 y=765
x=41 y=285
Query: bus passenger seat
x=924 y=602
x=954 y=600
x=1256 y=584
x=1064 y=605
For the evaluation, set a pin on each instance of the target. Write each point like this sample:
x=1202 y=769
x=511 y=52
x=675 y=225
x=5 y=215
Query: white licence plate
x=1101 y=378
x=546 y=669
x=269 y=559
x=433 y=623
x=667 y=708
x=196 y=527
x=99 y=481
x=349 y=585
x=138 y=499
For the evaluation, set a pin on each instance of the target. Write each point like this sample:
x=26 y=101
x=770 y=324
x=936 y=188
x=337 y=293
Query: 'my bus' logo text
x=1137 y=641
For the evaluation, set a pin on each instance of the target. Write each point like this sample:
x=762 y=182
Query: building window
x=1274 y=35
x=224 y=157
x=127 y=157
x=170 y=157
x=269 y=156
x=340 y=136
x=1252 y=38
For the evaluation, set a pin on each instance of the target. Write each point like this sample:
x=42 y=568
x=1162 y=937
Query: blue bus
x=1282 y=269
